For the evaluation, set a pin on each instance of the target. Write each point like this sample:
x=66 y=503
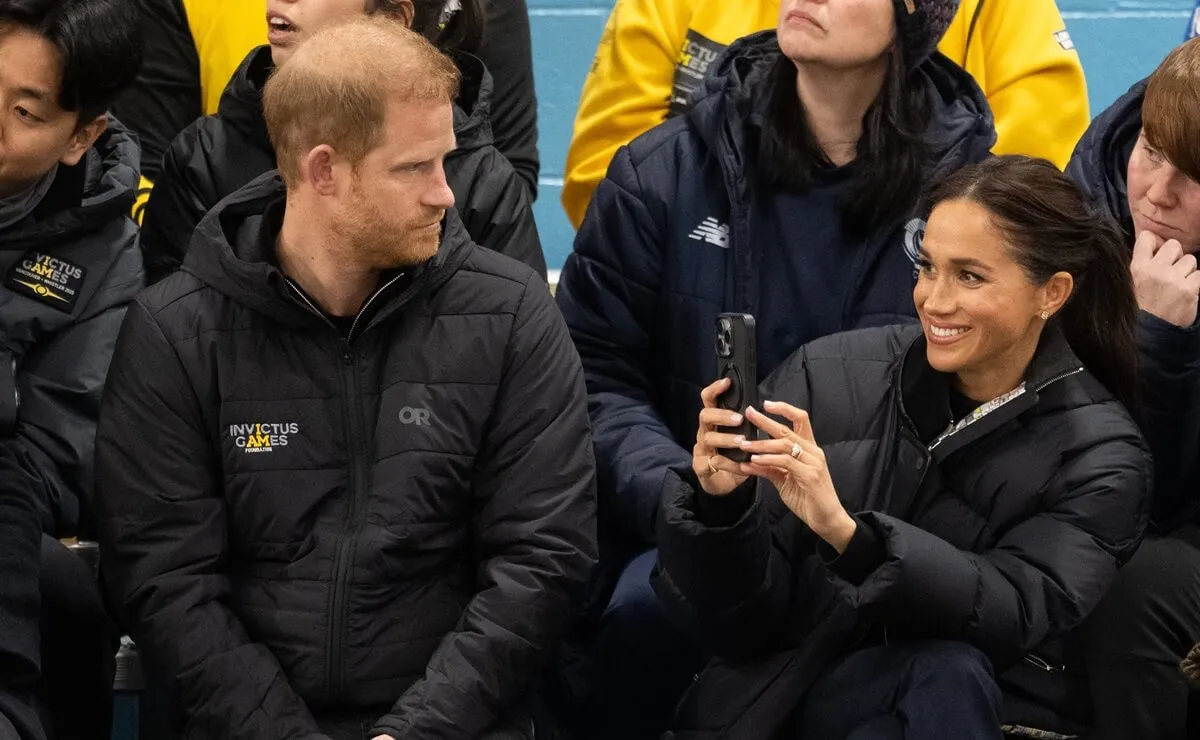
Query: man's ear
x=322 y=168
x=407 y=12
x=83 y=139
x=400 y=10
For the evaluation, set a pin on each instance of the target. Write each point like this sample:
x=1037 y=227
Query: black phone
x=736 y=360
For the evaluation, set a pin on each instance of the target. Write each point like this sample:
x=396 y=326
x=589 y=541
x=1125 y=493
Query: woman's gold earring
x=1045 y=315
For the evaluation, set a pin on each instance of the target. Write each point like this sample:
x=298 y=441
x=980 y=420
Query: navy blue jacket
x=669 y=242
x=1169 y=355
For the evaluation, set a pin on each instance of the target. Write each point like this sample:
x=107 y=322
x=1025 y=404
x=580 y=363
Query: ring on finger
x=797 y=450
x=711 y=468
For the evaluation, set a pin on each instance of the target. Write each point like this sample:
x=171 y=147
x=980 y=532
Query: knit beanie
x=920 y=25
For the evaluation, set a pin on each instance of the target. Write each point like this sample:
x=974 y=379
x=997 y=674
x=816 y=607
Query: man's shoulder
x=181 y=305
x=489 y=282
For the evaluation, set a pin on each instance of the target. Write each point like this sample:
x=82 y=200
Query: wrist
x=839 y=531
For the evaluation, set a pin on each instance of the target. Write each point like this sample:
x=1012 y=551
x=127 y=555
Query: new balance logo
x=712 y=231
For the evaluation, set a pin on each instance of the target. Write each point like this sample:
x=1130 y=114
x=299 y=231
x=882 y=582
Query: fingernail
x=770 y=403
x=736 y=418
x=740 y=441
x=751 y=410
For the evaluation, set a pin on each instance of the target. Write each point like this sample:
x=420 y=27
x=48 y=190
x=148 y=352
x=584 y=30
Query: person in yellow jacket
x=193 y=47
x=654 y=53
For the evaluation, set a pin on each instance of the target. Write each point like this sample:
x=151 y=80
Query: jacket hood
x=241 y=104
x=473 y=106
x=734 y=94
x=1101 y=157
x=102 y=187
x=233 y=251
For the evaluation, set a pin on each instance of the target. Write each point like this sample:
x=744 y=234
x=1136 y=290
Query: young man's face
x=35 y=132
x=1162 y=200
x=290 y=22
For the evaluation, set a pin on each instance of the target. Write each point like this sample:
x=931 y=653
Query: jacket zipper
x=359 y=474
x=1057 y=378
x=347 y=538
x=1031 y=659
x=1013 y=395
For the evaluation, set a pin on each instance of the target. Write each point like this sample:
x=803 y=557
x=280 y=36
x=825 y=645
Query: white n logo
x=712 y=231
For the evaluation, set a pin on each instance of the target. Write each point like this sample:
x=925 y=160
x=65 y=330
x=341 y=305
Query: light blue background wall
x=1120 y=41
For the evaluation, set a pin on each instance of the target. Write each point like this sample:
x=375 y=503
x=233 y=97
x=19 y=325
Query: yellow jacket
x=224 y=32
x=654 y=51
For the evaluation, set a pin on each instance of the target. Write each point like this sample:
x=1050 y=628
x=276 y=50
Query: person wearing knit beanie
x=920 y=25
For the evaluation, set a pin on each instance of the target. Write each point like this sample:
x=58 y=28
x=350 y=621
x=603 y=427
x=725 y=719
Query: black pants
x=624 y=682
x=1136 y=638
x=78 y=648
x=928 y=689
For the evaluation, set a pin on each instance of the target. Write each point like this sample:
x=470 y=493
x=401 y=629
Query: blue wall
x=1120 y=41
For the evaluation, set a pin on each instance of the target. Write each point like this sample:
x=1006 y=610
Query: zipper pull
x=1042 y=664
x=347 y=355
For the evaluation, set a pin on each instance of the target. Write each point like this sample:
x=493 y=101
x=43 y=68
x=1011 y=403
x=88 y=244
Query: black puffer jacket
x=1002 y=534
x=217 y=155
x=69 y=270
x=389 y=525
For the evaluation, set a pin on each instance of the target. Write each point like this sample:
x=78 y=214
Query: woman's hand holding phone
x=789 y=457
x=718 y=475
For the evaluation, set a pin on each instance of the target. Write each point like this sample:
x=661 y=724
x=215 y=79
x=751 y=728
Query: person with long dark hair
x=938 y=502
x=1141 y=164
x=654 y=53
x=219 y=154
x=791 y=191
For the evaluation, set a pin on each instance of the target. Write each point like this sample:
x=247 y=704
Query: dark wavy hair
x=892 y=153
x=1051 y=228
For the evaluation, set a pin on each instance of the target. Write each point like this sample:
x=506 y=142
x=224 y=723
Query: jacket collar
x=233 y=251
x=925 y=394
x=1101 y=157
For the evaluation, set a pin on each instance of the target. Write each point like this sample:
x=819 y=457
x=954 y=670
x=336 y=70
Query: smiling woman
x=940 y=504
x=1006 y=252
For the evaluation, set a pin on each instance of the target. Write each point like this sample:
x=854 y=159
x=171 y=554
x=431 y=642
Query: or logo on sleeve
x=1063 y=38
x=262 y=436
x=48 y=279
x=695 y=56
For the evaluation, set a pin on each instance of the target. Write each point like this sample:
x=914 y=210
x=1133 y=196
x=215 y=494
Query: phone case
x=736 y=360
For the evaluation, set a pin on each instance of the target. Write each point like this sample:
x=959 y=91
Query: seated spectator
x=344 y=473
x=941 y=499
x=1141 y=163
x=195 y=46
x=654 y=54
x=217 y=155
x=68 y=252
x=789 y=191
